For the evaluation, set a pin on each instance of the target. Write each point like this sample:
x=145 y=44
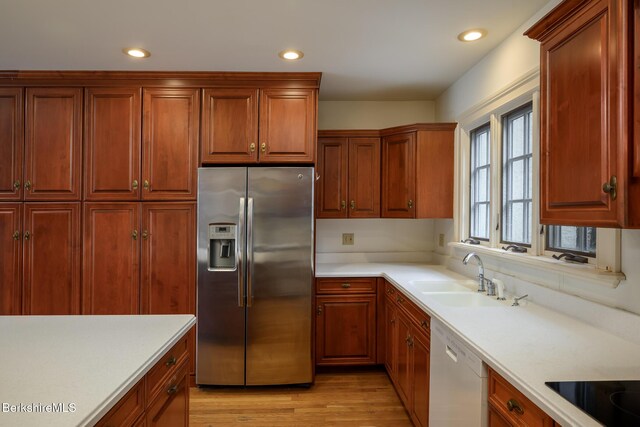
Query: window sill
x=502 y=260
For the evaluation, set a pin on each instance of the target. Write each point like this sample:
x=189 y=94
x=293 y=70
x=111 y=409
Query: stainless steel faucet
x=481 y=279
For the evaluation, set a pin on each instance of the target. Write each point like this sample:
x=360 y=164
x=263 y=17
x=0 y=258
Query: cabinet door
x=391 y=335
x=112 y=144
x=331 y=187
x=420 y=378
x=398 y=176
x=168 y=258
x=403 y=354
x=170 y=144
x=171 y=407
x=110 y=279
x=10 y=258
x=364 y=177
x=287 y=125
x=346 y=330
x=11 y=143
x=53 y=144
x=496 y=419
x=51 y=258
x=434 y=174
x=229 y=126
x=581 y=118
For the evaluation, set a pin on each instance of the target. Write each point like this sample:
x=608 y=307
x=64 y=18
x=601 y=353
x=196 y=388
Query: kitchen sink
x=466 y=299
x=428 y=287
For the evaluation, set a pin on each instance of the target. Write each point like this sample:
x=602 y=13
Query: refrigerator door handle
x=249 y=249
x=239 y=253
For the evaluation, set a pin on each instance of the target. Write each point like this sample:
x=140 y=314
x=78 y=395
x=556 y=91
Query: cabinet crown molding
x=555 y=18
x=374 y=133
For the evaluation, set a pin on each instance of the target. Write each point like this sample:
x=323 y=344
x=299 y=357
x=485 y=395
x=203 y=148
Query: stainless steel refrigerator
x=255 y=275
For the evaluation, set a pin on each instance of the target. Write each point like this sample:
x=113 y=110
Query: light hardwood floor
x=338 y=398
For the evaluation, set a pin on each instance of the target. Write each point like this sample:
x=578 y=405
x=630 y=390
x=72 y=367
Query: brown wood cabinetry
x=586 y=134
x=10 y=258
x=346 y=321
x=11 y=143
x=417 y=171
x=170 y=143
x=348 y=165
x=51 y=263
x=111 y=249
x=112 y=143
x=407 y=353
x=508 y=406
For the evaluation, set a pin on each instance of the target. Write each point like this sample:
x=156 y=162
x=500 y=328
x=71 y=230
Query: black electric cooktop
x=613 y=403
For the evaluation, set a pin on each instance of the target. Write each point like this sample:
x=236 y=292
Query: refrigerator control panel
x=222 y=247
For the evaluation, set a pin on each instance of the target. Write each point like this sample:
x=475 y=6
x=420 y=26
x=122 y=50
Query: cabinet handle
x=27 y=185
x=317 y=177
x=399 y=300
x=346 y=285
x=611 y=187
x=27 y=235
x=319 y=310
x=134 y=235
x=409 y=341
x=343 y=204
x=16 y=184
x=146 y=185
x=16 y=235
x=410 y=204
x=172 y=389
x=145 y=234
x=353 y=204
x=263 y=147
x=252 y=147
x=514 y=406
x=425 y=324
x=134 y=184
x=172 y=361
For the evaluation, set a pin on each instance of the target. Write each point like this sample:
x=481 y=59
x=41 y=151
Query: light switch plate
x=347 y=238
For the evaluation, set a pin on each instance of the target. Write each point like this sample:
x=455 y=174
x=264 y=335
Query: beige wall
x=373 y=114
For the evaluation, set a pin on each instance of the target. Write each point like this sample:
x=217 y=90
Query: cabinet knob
x=392 y=321
x=16 y=184
x=134 y=235
x=343 y=204
x=353 y=204
x=173 y=389
x=16 y=235
x=317 y=177
x=514 y=406
x=611 y=187
x=146 y=185
x=145 y=234
x=252 y=147
x=319 y=310
x=27 y=185
x=172 y=361
x=410 y=204
x=425 y=324
x=27 y=235
x=346 y=285
x=134 y=184
x=263 y=147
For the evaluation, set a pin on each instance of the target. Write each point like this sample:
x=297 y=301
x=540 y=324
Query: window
x=516 y=176
x=578 y=240
x=480 y=183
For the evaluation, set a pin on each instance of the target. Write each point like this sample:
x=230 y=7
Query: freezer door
x=221 y=264
x=280 y=275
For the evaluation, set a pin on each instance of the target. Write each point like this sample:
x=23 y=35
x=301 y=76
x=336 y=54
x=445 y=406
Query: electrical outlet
x=441 y=240
x=347 y=238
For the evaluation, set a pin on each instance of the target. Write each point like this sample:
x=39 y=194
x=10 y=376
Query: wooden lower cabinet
x=170 y=407
x=10 y=258
x=420 y=345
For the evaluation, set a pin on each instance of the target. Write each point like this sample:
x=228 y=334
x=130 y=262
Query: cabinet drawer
x=170 y=407
x=416 y=315
x=359 y=285
x=513 y=405
x=127 y=410
x=166 y=367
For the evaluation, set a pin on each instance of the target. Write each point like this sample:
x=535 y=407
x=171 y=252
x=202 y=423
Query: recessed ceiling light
x=291 y=54
x=137 y=52
x=472 y=35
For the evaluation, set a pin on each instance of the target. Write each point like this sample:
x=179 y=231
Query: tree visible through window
x=480 y=183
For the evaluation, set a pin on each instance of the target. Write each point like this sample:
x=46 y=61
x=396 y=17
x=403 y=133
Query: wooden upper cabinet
x=51 y=271
x=331 y=187
x=168 y=258
x=287 y=125
x=11 y=143
x=53 y=144
x=112 y=144
x=170 y=130
x=399 y=176
x=586 y=121
x=229 y=125
x=364 y=177
x=434 y=173
x=10 y=258
x=111 y=250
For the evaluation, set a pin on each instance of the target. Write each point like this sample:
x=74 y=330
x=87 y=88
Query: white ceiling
x=366 y=49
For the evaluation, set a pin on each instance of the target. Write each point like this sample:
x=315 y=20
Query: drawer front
x=390 y=291
x=127 y=410
x=346 y=285
x=419 y=318
x=513 y=405
x=166 y=367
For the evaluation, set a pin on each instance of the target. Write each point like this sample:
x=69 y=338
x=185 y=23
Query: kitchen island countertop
x=528 y=345
x=71 y=370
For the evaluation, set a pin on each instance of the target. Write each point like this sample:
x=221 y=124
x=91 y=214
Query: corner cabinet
x=589 y=165
x=417 y=171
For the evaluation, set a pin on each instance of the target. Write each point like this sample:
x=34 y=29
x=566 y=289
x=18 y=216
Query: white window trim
x=603 y=270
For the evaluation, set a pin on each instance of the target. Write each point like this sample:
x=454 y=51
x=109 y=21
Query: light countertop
x=82 y=364
x=528 y=345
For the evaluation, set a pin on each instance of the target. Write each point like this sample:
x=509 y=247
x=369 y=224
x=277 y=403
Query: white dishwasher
x=458 y=383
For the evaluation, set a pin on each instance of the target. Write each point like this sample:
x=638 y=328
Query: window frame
x=472 y=204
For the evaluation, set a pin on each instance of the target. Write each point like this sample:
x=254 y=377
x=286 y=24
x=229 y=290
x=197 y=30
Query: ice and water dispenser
x=222 y=247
